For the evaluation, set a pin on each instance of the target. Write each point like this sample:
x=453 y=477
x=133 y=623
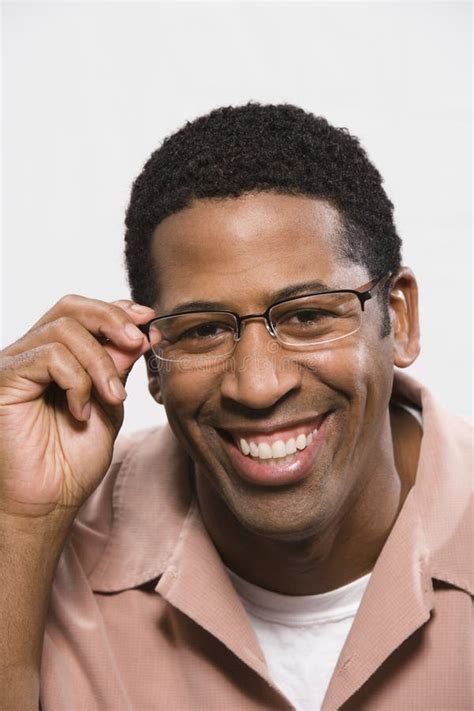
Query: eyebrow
x=307 y=287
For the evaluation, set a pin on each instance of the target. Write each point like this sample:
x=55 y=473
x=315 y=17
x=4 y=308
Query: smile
x=277 y=445
x=278 y=456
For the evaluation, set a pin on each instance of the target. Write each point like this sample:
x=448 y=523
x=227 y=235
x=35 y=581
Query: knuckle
x=116 y=314
x=65 y=324
x=112 y=309
x=60 y=355
x=122 y=303
x=55 y=351
x=68 y=300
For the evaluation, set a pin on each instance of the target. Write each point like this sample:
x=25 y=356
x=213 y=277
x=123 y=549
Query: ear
x=154 y=384
x=403 y=304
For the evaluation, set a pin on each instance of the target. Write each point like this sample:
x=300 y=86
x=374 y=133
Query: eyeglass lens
x=298 y=324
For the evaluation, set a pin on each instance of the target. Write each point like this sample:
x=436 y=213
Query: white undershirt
x=301 y=636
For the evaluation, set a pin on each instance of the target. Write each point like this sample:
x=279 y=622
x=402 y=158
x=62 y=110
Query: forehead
x=241 y=250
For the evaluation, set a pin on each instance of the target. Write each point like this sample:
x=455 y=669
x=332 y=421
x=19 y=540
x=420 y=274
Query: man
x=298 y=537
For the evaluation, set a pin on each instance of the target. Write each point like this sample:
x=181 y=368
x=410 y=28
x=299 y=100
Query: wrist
x=55 y=524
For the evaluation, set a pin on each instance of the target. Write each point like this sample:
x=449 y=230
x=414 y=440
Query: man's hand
x=61 y=403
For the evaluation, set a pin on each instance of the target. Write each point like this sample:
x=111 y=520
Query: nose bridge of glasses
x=255 y=317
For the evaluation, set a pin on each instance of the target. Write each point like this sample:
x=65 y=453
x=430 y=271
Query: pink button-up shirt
x=144 y=616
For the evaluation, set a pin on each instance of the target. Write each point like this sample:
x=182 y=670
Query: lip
x=275 y=430
x=273 y=472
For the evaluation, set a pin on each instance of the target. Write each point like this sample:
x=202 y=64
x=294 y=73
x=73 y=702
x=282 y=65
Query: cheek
x=359 y=371
x=184 y=393
x=343 y=366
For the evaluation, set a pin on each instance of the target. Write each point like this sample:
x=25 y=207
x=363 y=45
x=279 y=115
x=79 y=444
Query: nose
x=260 y=371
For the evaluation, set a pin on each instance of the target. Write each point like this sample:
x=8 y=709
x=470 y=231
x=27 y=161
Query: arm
x=29 y=553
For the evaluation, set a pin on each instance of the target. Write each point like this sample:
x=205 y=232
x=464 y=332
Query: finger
x=25 y=377
x=152 y=336
x=89 y=312
x=93 y=357
x=108 y=322
x=107 y=366
x=135 y=309
x=124 y=362
x=116 y=323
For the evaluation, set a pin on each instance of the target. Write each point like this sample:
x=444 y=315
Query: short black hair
x=251 y=148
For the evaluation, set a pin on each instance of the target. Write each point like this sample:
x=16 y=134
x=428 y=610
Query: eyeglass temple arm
x=379 y=284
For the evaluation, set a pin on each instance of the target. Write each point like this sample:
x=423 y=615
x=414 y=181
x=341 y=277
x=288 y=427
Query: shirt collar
x=443 y=489
x=151 y=499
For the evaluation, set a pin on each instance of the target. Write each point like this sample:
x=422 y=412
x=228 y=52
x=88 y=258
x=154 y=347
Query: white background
x=90 y=90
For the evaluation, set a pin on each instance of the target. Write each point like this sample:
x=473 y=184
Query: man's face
x=239 y=253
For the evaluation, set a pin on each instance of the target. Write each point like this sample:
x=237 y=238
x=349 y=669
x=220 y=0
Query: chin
x=285 y=514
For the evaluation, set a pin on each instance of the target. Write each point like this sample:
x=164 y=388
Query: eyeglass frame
x=363 y=296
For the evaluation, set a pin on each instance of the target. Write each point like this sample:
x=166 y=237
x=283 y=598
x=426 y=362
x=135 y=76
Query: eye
x=307 y=317
x=205 y=331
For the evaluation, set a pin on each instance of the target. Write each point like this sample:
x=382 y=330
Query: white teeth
x=253 y=449
x=301 y=441
x=278 y=449
x=264 y=451
x=244 y=446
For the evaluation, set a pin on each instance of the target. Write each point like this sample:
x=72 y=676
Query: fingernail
x=117 y=389
x=86 y=411
x=140 y=309
x=133 y=332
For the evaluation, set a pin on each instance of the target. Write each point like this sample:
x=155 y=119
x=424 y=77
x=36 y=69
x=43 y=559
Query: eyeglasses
x=301 y=323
